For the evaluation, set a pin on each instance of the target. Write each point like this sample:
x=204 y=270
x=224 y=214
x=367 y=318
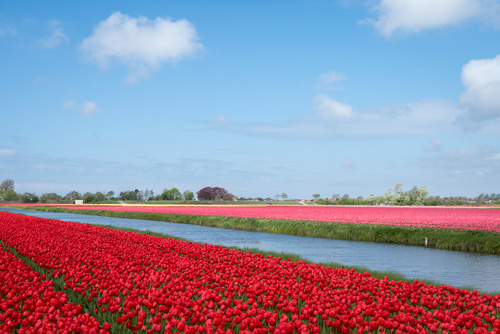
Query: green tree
x=424 y=192
x=88 y=198
x=72 y=195
x=188 y=195
x=171 y=194
x=9 y=195
x=50 y=197
x=284 y=196
x=128 y=195
x=100 y=197
x=28 y=198
x=316 y=196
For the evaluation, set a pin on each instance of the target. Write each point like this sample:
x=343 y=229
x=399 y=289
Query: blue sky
x=259 y=97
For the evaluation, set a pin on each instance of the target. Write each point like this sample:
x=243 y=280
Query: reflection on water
x=451 y=268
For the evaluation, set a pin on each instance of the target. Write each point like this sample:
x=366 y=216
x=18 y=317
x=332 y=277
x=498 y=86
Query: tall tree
x=171 y=194
x=100 y=197
x=74 y=195
x=88 y=197
x=316 y=196
x=53 y=197
x=214 y=194
x=9 y=195
x=7 y=184
x=188 y=195
x=28 y=198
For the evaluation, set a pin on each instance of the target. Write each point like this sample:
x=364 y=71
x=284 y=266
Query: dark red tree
x=214 y=194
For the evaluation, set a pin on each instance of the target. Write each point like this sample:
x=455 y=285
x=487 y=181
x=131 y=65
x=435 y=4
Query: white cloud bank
x=477 y=109
x=142 y=44
x=476 y=160
x=481 y=79
x=337 y=120
x=412 y=16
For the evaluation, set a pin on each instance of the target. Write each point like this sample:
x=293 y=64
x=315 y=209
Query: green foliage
x=8 y=195
x=128 y=195
x=342 y=201
x=188 y=195
x=88 y=198
x=72 y=195
x=99 y=197
x=28 y=198
x=171 y=195
x=50 y=197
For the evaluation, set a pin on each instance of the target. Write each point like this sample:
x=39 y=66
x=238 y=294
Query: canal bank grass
x=391 y=275
x=484 y=242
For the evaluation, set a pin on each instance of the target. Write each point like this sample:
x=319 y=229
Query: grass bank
x=483 y=242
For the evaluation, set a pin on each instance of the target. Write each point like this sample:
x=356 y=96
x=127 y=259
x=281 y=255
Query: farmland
x=461 y=229
x=449 y=218
x=130 y=283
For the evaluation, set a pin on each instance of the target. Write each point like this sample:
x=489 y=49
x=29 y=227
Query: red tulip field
x=485 y=219
x=87 y=279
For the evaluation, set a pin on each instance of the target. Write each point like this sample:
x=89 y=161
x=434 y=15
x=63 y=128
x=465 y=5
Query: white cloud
x=476 y=160
x=88 y=108
x=327 y=81
x=142 y=44
x=7 y=31
x=68 y=104
x=434 y=145
x=411 y=16
x=331 y=109
x=56 y=38
x=6 y=151
x=481 y=79
x=349 y=163
x=424 y=118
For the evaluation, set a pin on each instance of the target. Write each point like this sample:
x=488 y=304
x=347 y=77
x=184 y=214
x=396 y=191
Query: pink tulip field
x=485 y=219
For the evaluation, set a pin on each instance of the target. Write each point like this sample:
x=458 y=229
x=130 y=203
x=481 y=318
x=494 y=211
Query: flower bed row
x=29 y=304
x=447 y=218
x=157 y=285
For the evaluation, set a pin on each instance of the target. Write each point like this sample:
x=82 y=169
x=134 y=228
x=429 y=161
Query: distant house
x=78 y=201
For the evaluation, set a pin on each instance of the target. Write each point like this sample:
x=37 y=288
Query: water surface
x=458 y=269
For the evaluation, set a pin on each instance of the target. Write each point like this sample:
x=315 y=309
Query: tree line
x=8 y=194
x=393 y=196
x=415 y=196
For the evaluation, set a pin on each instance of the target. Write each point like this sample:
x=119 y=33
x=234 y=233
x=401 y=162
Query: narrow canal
x=458 y=269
